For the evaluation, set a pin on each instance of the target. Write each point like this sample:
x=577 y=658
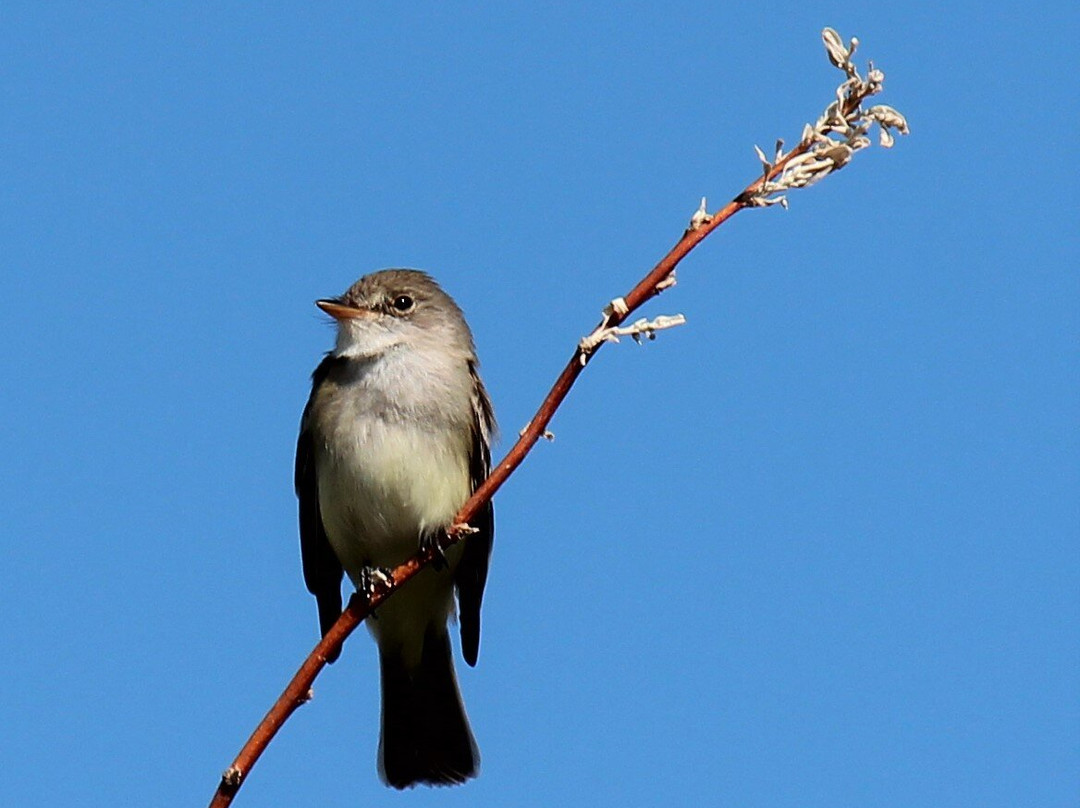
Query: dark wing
x=322 y=570
x=472 y=570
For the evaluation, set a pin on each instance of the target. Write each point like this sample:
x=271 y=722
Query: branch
x=826 y=147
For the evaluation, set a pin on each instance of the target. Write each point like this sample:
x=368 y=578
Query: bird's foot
x=429 y=543
x=376 y=581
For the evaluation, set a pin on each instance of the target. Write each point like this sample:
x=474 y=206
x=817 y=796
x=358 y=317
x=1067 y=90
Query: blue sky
x=818 y=547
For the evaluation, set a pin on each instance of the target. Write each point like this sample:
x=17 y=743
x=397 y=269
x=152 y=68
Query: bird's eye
x=403 y=302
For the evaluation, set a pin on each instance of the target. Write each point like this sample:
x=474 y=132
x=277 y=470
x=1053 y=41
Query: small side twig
x=825 y=147
x=636 y=330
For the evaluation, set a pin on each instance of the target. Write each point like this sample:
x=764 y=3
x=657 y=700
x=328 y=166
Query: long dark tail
x=425 y=733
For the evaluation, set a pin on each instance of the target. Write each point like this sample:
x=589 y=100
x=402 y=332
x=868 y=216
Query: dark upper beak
x=340 y=311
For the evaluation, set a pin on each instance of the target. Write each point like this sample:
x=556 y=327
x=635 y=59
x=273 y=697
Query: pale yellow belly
x=381 y=491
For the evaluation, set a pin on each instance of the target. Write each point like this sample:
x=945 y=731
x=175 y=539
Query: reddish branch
x=299 y=689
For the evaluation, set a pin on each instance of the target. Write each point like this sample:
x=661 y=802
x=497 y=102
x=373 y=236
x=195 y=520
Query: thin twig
x=824 y=155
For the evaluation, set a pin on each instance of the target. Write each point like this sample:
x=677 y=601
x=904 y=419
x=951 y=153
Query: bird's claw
x=375 y=581
x=429 y=543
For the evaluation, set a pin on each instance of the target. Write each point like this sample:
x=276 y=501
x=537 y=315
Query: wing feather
x=322 y=569
x=472 y=570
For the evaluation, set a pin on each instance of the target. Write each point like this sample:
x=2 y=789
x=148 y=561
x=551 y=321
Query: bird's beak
x=339 y=311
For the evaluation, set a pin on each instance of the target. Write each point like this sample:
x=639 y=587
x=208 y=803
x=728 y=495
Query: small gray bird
x=394 y=438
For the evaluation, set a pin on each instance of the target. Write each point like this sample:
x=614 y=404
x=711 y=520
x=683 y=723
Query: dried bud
x=888 y=116
x=834 y=46
x=840 y=154
x=765 y=164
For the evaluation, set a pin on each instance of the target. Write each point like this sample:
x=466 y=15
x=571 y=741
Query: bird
x=395 y=436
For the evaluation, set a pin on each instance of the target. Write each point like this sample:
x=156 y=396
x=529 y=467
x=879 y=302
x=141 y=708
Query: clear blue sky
x=819 y=547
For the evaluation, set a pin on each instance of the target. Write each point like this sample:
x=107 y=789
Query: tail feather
x=425 y=733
